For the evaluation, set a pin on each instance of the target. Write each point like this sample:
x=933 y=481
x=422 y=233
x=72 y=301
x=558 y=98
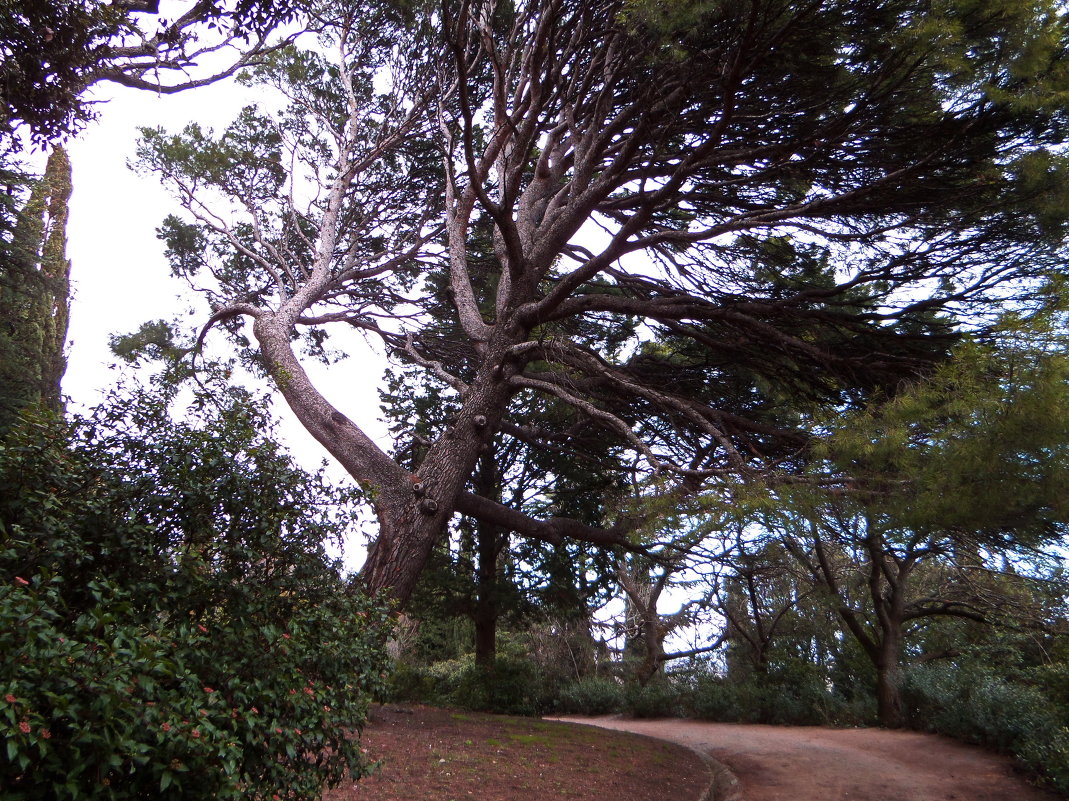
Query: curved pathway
x=802 y=763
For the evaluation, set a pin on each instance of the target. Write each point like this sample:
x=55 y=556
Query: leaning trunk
x=412 y=508
x=404 y=543
x=413 y=515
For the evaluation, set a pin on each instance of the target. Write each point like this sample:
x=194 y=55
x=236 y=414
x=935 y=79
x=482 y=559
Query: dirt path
x=800 y=763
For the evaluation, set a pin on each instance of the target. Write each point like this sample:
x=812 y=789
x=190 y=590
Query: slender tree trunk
x=759 y=658
x=486 y=600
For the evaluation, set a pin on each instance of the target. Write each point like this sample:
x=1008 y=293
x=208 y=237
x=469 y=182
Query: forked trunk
x=407 y=534
x=412 y=509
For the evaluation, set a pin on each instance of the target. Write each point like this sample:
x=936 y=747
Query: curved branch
x=553 y=531
x=227 y=313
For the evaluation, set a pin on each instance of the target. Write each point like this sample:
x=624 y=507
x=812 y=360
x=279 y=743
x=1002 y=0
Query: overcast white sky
x=121 y=279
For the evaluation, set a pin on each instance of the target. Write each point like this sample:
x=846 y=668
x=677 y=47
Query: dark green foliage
x=977 y=703
x=409 y=683
x=981 y=449
x=659 y=698
x=49 y=50
x=152 y=342
x=513 y=685
x=34 y=291
x=52 y=51
x=591 y=695
x=973 y=700
x=170 y=623
x=796 y=695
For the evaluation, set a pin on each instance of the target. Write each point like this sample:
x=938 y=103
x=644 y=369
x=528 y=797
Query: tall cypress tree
x=34 y=296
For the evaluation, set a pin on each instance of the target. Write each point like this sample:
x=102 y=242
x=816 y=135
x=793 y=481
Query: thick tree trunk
x=416 y=515
x=406 y=537
x=888 y=683
x=412 y=509
x=889 y=697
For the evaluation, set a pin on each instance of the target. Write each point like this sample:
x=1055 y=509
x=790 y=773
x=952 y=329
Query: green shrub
x=781 y=697
x=510 y=687
x=110 y=705
x=972 y=703
x=1047 y=754
x=658 y=699
x=715 y=698
x=169 y=622
x=513 y=686
x=591 y=695
x=975 y=705
x=412 y=684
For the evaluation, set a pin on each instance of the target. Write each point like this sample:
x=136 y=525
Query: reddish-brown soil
x=795 y=763
x=432 y=754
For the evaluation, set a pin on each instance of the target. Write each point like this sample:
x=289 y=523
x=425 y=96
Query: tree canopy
x=689 y=226
x=52 y=51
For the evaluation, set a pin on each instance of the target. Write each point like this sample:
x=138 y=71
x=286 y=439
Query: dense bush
x=973 y=703
x=409 y=683
x=786 y=697
x=170 y=624
x=660 y=698
x=513 y=686
x=591 y=695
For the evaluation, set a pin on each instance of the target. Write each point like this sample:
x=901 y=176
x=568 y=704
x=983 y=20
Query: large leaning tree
x=705 y=220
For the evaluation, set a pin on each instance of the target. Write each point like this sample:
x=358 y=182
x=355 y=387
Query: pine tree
x=776 y=204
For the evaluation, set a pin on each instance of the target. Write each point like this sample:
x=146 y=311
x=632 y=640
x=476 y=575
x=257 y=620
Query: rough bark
x=888 y=681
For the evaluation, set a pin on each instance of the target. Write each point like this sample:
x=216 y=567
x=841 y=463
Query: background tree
x=950 y=481
x=765 y=604
x=687 y=559
x=799 y=200
x=34 y=296
x=52 y=51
